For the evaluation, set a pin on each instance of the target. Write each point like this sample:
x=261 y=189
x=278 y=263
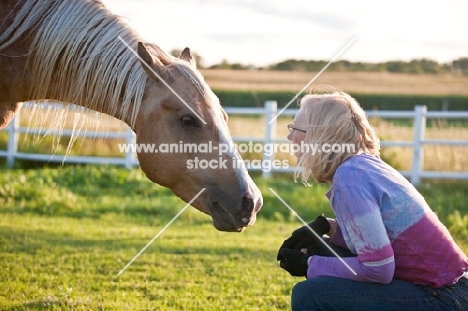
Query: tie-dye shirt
x=385 y=221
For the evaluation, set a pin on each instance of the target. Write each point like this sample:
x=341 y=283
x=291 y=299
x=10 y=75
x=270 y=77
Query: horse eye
x=188 y=121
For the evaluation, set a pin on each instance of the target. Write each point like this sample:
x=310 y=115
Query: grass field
x=66 y=233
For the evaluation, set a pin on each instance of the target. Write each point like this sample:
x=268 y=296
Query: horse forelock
x=193 y=77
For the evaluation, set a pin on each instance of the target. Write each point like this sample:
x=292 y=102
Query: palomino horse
x=74 y=52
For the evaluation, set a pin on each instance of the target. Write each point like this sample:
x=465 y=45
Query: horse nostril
x=247 y=203
x=247 y=213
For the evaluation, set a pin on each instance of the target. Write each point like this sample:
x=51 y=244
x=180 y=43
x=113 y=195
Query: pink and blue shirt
x=385 y=221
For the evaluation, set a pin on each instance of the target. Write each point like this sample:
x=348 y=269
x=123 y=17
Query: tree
x=461 y=65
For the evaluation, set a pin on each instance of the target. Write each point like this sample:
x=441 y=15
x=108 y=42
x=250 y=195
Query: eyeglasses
x=291 y=128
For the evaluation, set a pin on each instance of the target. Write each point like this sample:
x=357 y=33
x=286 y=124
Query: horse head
x=166 y=103
x=180 y=113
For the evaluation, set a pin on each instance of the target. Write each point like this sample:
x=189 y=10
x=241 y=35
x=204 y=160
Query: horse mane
x=76 y=57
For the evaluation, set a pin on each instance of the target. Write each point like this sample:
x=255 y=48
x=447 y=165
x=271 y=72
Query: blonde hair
x=334 y=119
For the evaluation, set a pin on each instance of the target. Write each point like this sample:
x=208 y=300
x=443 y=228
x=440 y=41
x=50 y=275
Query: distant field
x=352 y=82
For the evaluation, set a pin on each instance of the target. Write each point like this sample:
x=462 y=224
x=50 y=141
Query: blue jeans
x=328 y=293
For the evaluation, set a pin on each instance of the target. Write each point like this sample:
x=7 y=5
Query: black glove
x=303 y=237
x=318 y=248
x=294 y=261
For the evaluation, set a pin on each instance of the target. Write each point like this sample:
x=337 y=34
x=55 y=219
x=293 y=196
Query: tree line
x=415 y=66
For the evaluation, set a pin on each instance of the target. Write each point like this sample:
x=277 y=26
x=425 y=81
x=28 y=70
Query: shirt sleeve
x=350 y=268
x=357 y=211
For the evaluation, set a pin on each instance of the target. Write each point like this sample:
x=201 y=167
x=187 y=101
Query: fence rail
x=419 y=116
x=14 y=130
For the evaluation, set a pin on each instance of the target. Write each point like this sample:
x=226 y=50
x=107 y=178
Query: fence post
x=418 y=149
x=12 y=147
x=270 y=133
x=129 y=140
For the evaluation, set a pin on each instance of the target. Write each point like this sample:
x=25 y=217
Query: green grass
x=64 y=263
x=66 y=233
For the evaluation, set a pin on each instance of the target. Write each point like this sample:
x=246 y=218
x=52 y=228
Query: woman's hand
x=303 y=237
x=294 y=261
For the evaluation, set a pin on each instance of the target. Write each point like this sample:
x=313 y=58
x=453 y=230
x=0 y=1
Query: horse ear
x=185 y=55
x=146 y=59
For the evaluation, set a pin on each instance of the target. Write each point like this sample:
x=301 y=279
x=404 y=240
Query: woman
x=406 y=258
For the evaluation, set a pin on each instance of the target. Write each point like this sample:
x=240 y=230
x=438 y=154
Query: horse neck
x=88 y=66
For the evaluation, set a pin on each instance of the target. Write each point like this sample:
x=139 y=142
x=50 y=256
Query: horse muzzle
x=232 y=219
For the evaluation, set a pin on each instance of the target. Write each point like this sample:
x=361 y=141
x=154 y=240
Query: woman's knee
x=303 y=296
x=316 y=294
x=297 y=294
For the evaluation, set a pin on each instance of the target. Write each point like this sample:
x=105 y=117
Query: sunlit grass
x=65 y=234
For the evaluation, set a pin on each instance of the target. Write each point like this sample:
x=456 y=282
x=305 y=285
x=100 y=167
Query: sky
x=265 y=32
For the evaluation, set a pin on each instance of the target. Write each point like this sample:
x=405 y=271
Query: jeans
x=329 y=293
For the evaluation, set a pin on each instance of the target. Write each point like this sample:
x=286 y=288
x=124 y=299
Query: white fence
x=269 y=111
x=14 y=130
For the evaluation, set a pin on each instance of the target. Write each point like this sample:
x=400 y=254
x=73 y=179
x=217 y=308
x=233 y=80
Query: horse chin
x=224 y=221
